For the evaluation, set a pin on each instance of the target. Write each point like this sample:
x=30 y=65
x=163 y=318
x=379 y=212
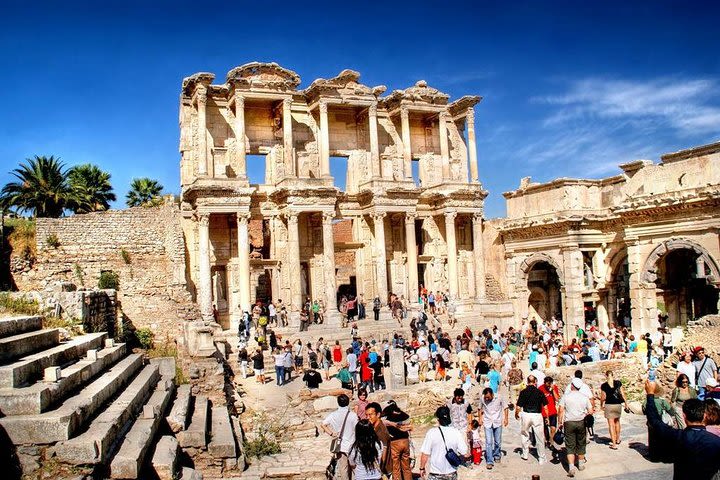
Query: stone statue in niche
x=219 y=284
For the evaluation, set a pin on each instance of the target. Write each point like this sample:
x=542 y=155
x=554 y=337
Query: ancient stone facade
x=622 y=249
x=405 y=231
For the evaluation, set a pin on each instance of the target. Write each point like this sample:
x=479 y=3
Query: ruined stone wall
x=496 y=286
x=143 y=246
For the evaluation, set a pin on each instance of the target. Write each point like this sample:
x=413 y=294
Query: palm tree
x=42 y=188
x=142 y=191
x=90 y=189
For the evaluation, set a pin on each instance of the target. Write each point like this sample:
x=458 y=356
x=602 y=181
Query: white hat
x=577 y=383
x=711 y=382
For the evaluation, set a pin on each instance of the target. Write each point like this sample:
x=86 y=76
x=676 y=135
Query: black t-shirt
x=531 y=400
x=612 y=394
x=377 y=369
x=258 y=361
x=482 y=368
x=312 y=378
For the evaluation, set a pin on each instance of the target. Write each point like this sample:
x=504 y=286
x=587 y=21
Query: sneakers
x=571 y=471
x=542 y=462
x=524 y=457
x=489 y=466
x=581 y=466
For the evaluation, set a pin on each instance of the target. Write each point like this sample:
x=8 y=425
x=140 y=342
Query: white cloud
x=689 y=107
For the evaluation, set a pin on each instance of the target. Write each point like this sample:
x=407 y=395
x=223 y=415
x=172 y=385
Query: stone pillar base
x=199 y=338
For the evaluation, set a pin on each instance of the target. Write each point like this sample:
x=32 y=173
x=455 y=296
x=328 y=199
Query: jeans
x=701 y=393
x=493 y=440
x=377 y=314
x=280 y=375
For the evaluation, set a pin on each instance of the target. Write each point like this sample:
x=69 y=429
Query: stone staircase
x=86 y=404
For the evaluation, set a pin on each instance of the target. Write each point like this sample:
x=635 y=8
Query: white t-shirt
x=412 y=370
x=362 y=473
x=271 y=310
x=585 y=390
x=540 y=376
x=576 y=406
x=423 y=353
x=335 y=422
x=688 y=369
x=433 y=446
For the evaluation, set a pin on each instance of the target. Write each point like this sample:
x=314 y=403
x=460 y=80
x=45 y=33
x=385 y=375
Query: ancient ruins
x=409 y=213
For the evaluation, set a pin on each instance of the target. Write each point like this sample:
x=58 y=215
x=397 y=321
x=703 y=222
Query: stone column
x=380 y=256
x=574 y=311
x=293 y=262
x=472 y=147
x=204 y=281
x=700 y=267
x=407 y=145
x=412 y=264
x=240 y=161
x=288 y=137
x=479 y=256
x=202 y=158
x=324 y=141
x=451 y=254
x=643 y=301
x=444 y=148
x=329 y=264
x=244 y=260
x=374 y=144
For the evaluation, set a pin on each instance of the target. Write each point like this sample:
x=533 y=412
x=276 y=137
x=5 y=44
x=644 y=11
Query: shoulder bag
x=337 y=441
x=450 y=454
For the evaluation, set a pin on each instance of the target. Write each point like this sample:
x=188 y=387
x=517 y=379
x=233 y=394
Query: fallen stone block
x=196 y=434
x=178 y=415
x=164 y=460
x=92 y=354
x=223 y=440
x=52 y=374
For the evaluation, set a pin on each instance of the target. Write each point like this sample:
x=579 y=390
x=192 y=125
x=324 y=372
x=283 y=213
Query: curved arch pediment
x=263 y=74
x=530 y=261
x=649 y=271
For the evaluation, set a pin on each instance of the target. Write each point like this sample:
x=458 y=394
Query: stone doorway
x=544 y=298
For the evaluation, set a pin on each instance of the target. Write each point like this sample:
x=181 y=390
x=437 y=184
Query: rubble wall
x=143 y=246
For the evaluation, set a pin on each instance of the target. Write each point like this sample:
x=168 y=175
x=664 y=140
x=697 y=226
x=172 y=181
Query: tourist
x=685 y=366
x=352 y=362
x=431 y=302
x=657 y=450
x=312 y=379
x=494 y=378
x=612 y=397
x=712 y=417
x=475 y=442
x=482 y=368
x=243 y=359
x=423 y=353
x=682 y=392
x=461 y=412
x=412 y=370
x=298 y=352
x=549 y=411
x=258 y=360
x=514 y=381
x=584 y=388
x=374 y=412
x=376 y=308
x=537 y=373
x=272 y=313
x=712 y=390
x=438 y=441
x=573 y=408
x=365 y=453
x=529 y=411
x=340 y=424
x=346 y=379
x=366 y=373
x=378 y=374
x=337 y=353
x=304 y=320
x=466 y=376
x=326 y=357
x=705 y=368
x=361 y=404
x=279 y=367
x=288 y=363
x=494 y=416
x=695 y=451
x=361 y=307
x=396 y=422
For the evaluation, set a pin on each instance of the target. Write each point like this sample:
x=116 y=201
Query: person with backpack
x=443 y=449
x=376 y=308
x=340 y=425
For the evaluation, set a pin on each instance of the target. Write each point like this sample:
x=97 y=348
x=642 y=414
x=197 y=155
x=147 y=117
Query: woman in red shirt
x=337 y=353
x=549 y=411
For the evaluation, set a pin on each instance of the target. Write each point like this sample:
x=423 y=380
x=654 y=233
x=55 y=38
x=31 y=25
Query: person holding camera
x=443 y=449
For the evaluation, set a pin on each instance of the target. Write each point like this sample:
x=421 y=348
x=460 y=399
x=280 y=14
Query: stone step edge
x=94 y=445
x=133 y=450
x=14 y=325
x=40 y=396
x=222 y=444
x=63 y=422
x=32 y=366
x=164 y=460
x=178 y=417
x=196 y=433
x=16 y=346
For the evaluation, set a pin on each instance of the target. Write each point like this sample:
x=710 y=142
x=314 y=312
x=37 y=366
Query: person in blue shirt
x=532 y=358
x=494 y=378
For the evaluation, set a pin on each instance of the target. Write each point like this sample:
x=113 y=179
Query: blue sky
x=570 y=88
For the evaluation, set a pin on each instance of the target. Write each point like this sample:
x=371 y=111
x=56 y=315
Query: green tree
x=41 y=189
x=143 y=191
x=90 y=189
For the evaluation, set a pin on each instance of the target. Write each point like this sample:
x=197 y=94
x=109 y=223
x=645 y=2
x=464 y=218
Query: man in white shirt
x=537 y=373
x=333 y=426
x=423 y=354
x=436 y=444
x=573 y=408
x=352 y=361
x=584 y=388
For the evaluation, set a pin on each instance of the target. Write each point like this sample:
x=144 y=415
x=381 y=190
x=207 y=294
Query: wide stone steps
x=94 y=445
x=21 y=344
x=27 y=369
x=63 y=422
x=15 y=325
x=40 y=396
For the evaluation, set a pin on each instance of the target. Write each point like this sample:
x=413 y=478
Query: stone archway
x=686 y=280
x=530 y=261
x=616 y=294
x=542 y=287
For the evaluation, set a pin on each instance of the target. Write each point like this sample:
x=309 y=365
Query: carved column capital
x=443 y=117
x=477 y=217
x=327 y=218
x=410 y=217
x=323 y=108
x=239 y=99
x=470 y=115
x=404 y=114
x=201 y=96
x=292 y=218
x=243 y=216
x=287 y=102
x=204 y=219
x=450 y=217
x=379 y=216
x=373 y=109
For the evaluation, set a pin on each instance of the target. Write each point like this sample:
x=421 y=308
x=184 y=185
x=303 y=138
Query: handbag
x=559 y=437
x=330 y=469
x=337 y=441
x=451 y=455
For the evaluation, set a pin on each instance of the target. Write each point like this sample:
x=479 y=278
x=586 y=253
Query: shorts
x=613 y=411
x=298 y=361
x=258 y=372
x=575 y=437
x=552 y=420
